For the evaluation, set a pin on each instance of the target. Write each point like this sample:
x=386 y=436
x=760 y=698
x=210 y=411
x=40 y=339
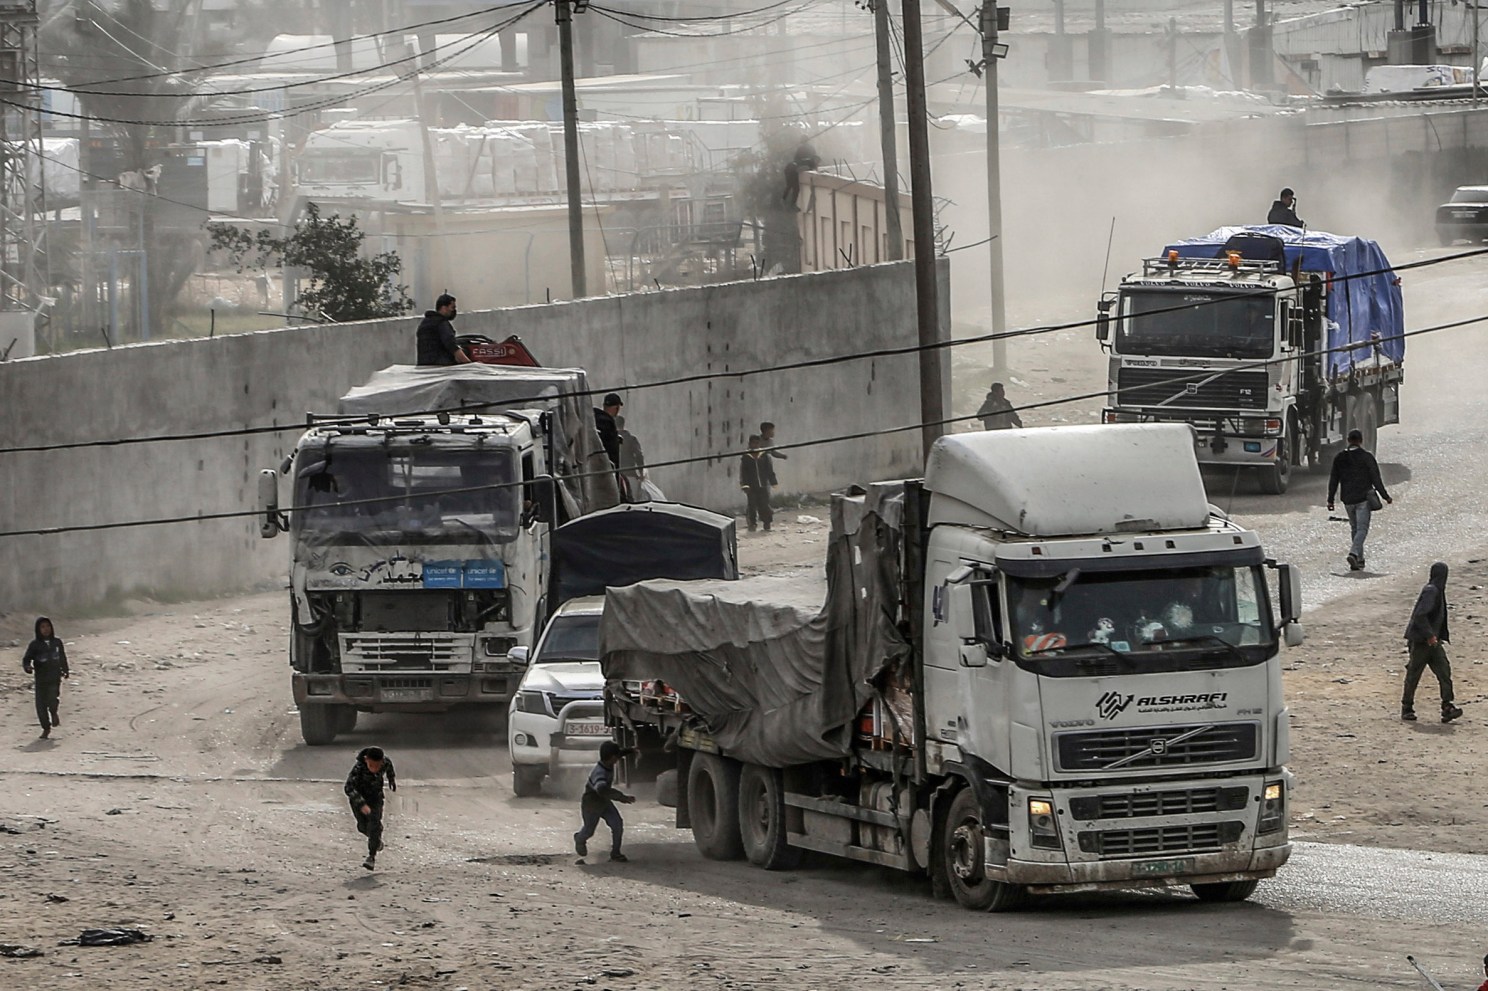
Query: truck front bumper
x=1208 y=868
x=1221 y=440
x=405 y=691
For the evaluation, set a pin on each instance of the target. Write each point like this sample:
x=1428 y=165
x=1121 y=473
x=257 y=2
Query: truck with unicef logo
x=418 y=520
x=1048 y=666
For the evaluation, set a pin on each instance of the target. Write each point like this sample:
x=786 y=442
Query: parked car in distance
x=1464 y=216
x=556 y=720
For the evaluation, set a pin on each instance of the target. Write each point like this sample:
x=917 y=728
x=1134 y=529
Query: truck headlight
x=534 y=702
x=1041 y=824
x=1273 y=808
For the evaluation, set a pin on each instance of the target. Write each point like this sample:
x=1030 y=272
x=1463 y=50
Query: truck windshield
x=408 y=495
x=1185 y=618
x=1197 y=324
x=323 y=167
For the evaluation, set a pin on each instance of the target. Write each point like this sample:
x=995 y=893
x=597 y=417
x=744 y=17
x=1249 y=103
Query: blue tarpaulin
x=1359 y=309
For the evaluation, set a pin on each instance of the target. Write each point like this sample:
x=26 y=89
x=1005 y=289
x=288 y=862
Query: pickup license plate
x=1154 y=868
x=1464 y=215
x=407 y=694
x=587 y=729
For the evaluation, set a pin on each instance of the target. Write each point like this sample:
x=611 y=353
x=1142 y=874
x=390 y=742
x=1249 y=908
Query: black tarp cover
x=776 y=677
x=636 y=542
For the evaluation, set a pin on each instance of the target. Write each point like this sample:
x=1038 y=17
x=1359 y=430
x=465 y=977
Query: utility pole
x=1097 y=55
x=887 y=137
x=990 y=53
x=1477 y=54
x=927 y=287
x=1173 y=56
x=1229 y=40
x=571 y=148
x=438 y=279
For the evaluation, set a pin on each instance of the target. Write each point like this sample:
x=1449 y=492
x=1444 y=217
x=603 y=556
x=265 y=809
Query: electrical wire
x=610 y=15
x=826 y=360
x=703 y=458
x=695 y=18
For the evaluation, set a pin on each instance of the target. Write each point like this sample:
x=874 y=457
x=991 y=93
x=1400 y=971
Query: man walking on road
x=364 y=790
x=436 y=335
x=1357 y=475
x=996 y=412
x=1426 y=633
x=46 y=659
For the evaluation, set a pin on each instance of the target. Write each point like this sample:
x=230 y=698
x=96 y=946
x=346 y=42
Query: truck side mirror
x=1289 y=591
x=1103 y=318
x=542 y=491
x=272 y=523
x=518 y=656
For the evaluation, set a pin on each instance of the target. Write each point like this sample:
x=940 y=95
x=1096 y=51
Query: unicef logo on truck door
x=1112 y=704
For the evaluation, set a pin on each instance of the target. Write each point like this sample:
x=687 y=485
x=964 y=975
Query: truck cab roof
x=1086 y=480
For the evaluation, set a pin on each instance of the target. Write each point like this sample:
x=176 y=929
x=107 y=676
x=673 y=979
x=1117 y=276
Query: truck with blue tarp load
x=419 y=522
x=1273 y=342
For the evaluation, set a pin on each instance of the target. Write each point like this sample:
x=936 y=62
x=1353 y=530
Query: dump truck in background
x=1048 y=666
x=1272 y=342
x=418 y=520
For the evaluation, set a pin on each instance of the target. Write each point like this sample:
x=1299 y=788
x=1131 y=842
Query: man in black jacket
x=755 y=472
x=1284 y=210
x=436 y=335
x=46 y=658
x=364 y=790
x=1426 y=633
x=1357 y=473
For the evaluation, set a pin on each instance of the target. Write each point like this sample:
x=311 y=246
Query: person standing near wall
x=767 y=441
x=632 y=462
x=46 y=660
x=436 y=335
x=754 y=479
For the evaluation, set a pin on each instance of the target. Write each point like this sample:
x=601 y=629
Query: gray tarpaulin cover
x=409 y=389
x=776 y=677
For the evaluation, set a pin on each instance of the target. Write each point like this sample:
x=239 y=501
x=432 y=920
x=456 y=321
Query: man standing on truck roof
x=600 y=796
x=1284 y=210
x=1357 y=473
x=364 y=790
x=436 y=335
x=1426 y=633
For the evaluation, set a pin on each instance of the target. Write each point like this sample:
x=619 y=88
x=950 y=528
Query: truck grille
x=1203 y=837
x=1184 y=388
x=406 y=682
x=1160 y=803
x=1144 y=747
x=394 y=652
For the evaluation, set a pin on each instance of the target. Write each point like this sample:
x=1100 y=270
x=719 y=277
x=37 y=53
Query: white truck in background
x=1048 y=666
x=418 y=520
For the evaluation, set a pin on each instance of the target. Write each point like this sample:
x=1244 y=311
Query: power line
x=616 y=16
x=696 y=459
x=886 y=352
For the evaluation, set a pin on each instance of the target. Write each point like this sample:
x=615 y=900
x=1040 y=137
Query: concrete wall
x=273 y=377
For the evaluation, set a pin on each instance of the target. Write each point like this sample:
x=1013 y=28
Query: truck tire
x=762 y=819
x=346 y=718
x=713 y=805
x=1225 y=891
x=961 y=857
x=1275 y=478
x=527 y=780
x=318 y=723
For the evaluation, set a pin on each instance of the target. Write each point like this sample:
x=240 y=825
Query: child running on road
x=599 y=801
x=364 y=790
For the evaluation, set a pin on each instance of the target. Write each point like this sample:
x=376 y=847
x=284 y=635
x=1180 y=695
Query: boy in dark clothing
x=600 y=796
x=364 y=790
x=1357 y=474
x=755 y=472
x=46 y=658
x=1425 y=633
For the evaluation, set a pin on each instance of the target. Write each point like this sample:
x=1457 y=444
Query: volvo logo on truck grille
x=1112 y=704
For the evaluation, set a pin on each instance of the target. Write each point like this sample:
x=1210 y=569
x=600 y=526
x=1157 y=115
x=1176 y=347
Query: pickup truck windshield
x=1203 y=325
x=412 y=486
x=1195 y=618
x=570 y=638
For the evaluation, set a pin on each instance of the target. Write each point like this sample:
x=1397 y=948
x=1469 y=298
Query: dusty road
x=177 y=797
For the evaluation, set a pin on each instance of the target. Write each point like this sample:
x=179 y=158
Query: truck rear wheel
x=318 y=723
x=762 y=819
x=527 y=780
x=713 y=806
x=1225 y=891
x=962 y=852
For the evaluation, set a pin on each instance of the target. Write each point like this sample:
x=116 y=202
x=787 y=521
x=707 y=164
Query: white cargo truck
x=418 y=521
x=1048 y=666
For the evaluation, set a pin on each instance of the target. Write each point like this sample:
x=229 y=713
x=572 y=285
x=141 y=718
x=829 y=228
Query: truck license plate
x=1153 y=868
x=407 y=694
x=588 y=729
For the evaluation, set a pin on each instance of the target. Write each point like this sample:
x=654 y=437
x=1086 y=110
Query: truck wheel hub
x=966 y=852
